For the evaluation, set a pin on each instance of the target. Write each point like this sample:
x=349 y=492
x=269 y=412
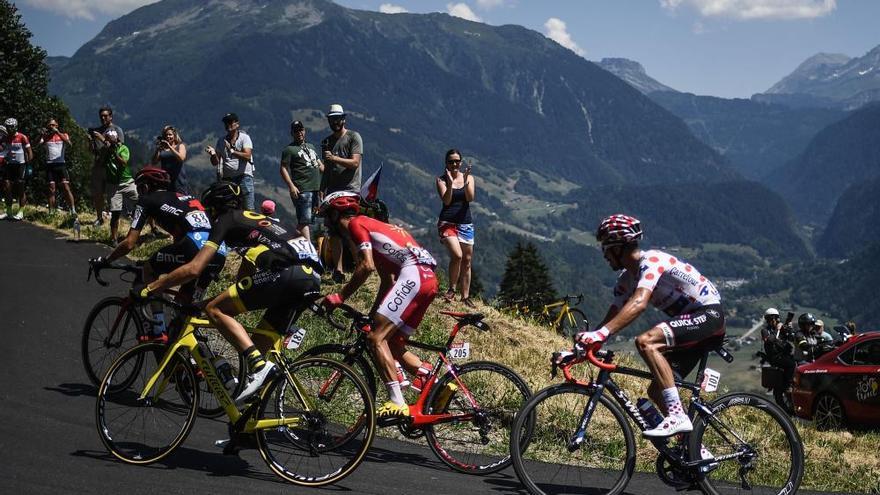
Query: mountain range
x=842 y=155
x=830 y=80
x=544 y=128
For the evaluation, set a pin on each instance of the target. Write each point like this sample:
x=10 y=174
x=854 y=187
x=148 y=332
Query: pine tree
x=24 y=95
x=526 y=278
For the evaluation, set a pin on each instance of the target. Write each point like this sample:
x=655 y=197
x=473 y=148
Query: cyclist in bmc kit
x=407 y=287
x=280 y=269
x=672 y=286
x=182 y=216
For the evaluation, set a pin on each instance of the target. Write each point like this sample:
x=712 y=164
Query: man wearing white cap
x=342 y=151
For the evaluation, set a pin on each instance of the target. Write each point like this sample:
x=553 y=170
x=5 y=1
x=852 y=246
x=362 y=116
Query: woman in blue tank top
x=456 y=227
x=169 y=155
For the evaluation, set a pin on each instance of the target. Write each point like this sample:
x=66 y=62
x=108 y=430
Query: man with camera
x=120 y=182
x=15 y=171
x=55 y=142
x=101 y=149
x=233 y=157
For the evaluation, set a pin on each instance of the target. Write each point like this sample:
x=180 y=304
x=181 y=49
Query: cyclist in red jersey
x=693 y=304
x=407 y=287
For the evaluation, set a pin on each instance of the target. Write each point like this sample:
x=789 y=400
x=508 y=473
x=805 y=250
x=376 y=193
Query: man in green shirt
x=301 y=171
x=120 y=183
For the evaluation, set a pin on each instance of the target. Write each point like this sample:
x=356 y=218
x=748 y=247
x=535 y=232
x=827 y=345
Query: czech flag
x=370 y=188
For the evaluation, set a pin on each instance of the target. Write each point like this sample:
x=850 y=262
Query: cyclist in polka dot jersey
x=673 y=286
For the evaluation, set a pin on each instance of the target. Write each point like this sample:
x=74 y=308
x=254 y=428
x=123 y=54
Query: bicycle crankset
x=409 y=432
x=673 y=475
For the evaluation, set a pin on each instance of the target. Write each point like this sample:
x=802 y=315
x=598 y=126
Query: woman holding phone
x=455 y=227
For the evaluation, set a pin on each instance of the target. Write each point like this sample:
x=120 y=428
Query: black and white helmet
x=11 y=124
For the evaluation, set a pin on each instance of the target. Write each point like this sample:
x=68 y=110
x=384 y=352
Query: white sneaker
x=255 y=381
x=3 y=215
x=671 y=425
x=19 y=215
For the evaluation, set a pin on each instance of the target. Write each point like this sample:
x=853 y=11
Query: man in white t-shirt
x=56 y=165
x=233 y=157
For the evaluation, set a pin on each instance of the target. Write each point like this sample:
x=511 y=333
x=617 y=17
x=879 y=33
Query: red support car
x=841 y=388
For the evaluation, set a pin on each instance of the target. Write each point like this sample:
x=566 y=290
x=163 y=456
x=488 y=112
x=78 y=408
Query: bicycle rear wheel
x=336 y=424
x=111 y=328
x=142 y=431
x=476 y=439
x=602 y=464
x=571 y=322
x=771 y=456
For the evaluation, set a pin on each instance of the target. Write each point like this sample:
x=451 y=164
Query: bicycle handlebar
x=96 y=270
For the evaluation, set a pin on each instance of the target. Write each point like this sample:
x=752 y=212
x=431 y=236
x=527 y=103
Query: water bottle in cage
x=224 y=371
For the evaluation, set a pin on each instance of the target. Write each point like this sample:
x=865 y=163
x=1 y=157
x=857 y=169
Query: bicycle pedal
x=391 y=421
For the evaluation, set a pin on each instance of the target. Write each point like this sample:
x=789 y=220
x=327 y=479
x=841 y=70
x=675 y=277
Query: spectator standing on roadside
x=18 y=154
x=100 y=148
x=456 y=226
x=301 y=171
x=169 y=155
x=234 y=158
x=56 y=143
x=120 y=183
x=342 y=152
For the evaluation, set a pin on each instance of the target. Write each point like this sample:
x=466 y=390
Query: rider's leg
x=651 y=345
x=410 y=361
x=383 y=328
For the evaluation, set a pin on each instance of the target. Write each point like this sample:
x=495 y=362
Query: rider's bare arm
x=126 y=245
x=635 y=306
x=362 y=271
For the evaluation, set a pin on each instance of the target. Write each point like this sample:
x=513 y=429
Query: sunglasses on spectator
x=450 y=162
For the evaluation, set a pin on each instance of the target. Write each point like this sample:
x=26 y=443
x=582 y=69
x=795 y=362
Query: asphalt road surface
x=48 y=440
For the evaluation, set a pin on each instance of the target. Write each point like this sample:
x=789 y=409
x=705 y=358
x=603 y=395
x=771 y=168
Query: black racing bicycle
x=581 y=441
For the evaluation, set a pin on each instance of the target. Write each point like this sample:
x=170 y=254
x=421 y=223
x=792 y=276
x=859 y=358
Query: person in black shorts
x=182 y=216
x=283 y=271
x=693 y=304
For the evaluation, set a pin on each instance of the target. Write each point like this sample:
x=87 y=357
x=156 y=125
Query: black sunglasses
x=453 y=161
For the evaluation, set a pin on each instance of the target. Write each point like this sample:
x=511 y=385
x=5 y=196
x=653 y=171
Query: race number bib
x=304 y=249
x=423 y=257
x=460 y=350
x=711 y=380
x=198 y=220
x=295 y=338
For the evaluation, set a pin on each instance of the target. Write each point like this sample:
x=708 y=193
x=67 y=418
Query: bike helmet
x=11 y=124
x=222 y=195
x=619 y=229
x=341 y=201
x=154 y=177
x=771 y=312
x=805 y=321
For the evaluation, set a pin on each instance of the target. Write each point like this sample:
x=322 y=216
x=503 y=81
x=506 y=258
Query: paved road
x=48 y=442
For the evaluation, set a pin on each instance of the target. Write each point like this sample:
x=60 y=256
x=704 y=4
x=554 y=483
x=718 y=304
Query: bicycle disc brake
x=673 y=475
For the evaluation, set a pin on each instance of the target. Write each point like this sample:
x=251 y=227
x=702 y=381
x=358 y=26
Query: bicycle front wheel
x=111 y=328
x=483 y=400
x=546 y=463
x=768 y=453
x=334 y=427
x=571 y=322
x=343 y=354
x=141 y=431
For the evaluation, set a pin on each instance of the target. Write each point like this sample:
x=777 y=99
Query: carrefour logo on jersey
x=399 y=295
x=675 y=272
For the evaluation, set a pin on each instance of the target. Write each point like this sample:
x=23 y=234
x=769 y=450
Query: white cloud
x=756 y=9
x=557 y=31
x=489 y=4
x=390 y=8
x=87 y=9
x=462 y=10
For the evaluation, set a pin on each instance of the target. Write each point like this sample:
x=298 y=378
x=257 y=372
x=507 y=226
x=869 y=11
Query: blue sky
x=729 y=48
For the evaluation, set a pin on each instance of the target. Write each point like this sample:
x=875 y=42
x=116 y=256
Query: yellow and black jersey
x=266 y=244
